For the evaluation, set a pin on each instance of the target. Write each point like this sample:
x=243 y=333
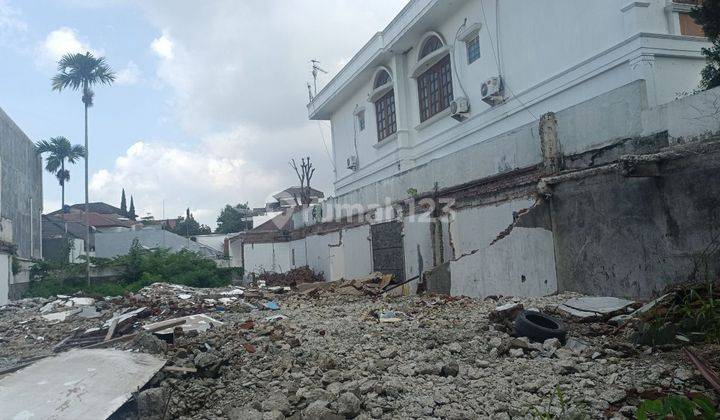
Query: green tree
x=123 y=204
x=234 y=219
x=188 y=226
x=131 y=213
x=58 y=151
x=707 y=15
x=82 y=72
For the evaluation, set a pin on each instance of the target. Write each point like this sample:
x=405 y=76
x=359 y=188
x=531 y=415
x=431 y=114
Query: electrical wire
x=322 y=135
x=455 y=64
x=497 y=55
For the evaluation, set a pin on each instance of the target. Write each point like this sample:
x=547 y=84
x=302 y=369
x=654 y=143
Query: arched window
x=382 y=78
x=431 y=44
x=383 y=97
x=435 y=91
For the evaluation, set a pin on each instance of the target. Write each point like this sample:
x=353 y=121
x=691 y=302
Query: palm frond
x=77 y=152
x=43 y=146
x=53 y=163
x=82 y=71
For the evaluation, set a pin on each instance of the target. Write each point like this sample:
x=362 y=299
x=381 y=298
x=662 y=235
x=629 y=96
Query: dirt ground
x=327 y=356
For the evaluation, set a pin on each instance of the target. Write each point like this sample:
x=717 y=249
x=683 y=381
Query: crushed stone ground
x=331 y=359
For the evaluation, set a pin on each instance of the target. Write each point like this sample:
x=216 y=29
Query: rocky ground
x=328 y=357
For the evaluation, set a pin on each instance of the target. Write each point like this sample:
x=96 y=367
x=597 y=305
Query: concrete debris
x=595 y=307
x=61 y=316
x=329 y=356
x=87 y=384
x=197 y=323
x=506 y=312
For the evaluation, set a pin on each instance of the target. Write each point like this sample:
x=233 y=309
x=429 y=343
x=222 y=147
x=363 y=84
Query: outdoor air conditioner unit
x=352 y=162
x=459 y=108
x=492 y=91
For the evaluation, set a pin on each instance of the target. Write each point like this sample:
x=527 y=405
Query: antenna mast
x=315 y=69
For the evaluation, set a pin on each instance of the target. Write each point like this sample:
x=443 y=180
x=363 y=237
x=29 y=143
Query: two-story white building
x=449 y=103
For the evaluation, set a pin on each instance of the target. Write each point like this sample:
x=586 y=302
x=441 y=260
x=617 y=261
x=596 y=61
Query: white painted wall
x=267 y=257
x=552 y=55
x=521 y=264
x=357 y=250
x=5 y=278
x=235 y=253
x=77 y=251
x=476 y=227
x=417 y=246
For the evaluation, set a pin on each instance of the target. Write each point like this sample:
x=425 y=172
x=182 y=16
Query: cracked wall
x=633 y=236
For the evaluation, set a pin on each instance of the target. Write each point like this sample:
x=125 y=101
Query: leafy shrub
x=676 y=407
x=139 y=268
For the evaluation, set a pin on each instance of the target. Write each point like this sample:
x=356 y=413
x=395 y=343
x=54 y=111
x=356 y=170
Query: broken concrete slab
x=61 y=316
x=592 y=308
x=89 y=312
x=599 y=304
x=78 y=384
x=199 y=323
x=126 y=317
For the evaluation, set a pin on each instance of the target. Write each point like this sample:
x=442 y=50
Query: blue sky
x=210 y=101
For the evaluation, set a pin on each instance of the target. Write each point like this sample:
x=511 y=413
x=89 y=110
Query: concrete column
x=644 y=67
x=402 y=117
x=635 y=16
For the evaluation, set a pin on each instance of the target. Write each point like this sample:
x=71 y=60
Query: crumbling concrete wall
x=357 y=249
x=273 y=256
x=417 y=246
x=491 y=256
x=632 y=236
x=20 y=188
x=5 y=278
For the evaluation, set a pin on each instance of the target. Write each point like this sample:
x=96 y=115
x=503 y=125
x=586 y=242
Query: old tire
x=539 y=327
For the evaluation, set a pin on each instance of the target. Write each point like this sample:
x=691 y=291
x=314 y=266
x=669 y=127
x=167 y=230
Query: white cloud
x=62 y=41
x=163 y=46
x=237 y=74
x=129 y=75
x=12 y=26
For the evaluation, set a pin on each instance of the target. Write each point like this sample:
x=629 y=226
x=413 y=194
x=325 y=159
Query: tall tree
x=60 y=150
x=234 y=219
x=82 y=72
x=707 y=15
x=131 y=212
x=304 y=173
x=123 y=204
x=187 y=226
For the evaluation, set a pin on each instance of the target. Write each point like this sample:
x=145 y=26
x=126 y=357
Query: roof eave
x=322 y=106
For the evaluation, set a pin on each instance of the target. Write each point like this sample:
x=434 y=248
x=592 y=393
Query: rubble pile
x=249 y=353
x=291 y=278
x=372 y=285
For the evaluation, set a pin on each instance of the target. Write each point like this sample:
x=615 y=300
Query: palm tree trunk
x=62 y=186
x=87 y=203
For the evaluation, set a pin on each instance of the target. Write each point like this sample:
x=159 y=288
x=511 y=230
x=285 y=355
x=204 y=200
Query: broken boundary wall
x=632 y=236
x=605 y=225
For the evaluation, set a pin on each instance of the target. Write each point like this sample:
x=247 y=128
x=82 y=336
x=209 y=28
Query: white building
x=549 y=54
x=449 y=102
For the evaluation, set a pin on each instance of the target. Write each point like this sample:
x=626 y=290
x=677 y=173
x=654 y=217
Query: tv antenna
x=315 y=69
x=310 y=93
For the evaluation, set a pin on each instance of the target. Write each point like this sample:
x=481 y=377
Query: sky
x=210 y=99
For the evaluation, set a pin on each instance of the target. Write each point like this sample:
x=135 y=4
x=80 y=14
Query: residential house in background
x=109 y=244
x=287 y=198
x=20 y=208
x=102 y=217
x=63 y=241
x=451 y=129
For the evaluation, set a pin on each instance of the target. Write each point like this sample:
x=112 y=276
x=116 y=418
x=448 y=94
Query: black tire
x=539 y=327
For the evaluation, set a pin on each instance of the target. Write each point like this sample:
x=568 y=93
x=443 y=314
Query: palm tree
x=59 y=150
x=82 y=72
